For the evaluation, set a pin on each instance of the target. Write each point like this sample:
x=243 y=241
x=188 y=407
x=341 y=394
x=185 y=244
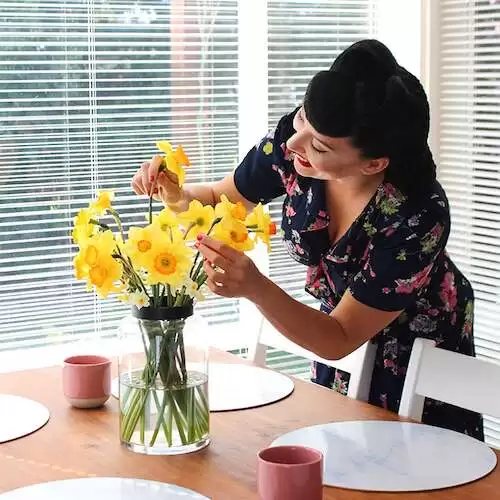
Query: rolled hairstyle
x=382 y=108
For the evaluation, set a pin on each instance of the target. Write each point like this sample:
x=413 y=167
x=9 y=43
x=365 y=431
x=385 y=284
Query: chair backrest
x=450 y=377
x=359 y=364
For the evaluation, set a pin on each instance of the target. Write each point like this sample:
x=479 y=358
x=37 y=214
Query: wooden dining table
x=85 y=443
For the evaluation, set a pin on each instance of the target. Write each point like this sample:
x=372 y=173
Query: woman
x=364 y=212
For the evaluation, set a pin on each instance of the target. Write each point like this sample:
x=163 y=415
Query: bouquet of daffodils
x=157 y=266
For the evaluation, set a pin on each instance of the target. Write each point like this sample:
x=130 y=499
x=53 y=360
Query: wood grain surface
x=85 y=443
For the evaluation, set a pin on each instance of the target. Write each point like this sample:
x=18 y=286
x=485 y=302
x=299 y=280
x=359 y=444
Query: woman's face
x=323 y=157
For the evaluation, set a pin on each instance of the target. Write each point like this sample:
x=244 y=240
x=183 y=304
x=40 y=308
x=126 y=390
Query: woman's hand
x=165 y=184
x=230 y=272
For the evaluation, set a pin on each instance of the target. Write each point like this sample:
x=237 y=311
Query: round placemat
x=394 y=456
x=20 y=416
x=234 y=386
x=109 y=488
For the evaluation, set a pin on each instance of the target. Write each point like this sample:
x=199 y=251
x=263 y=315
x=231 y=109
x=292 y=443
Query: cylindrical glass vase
x=163 y=374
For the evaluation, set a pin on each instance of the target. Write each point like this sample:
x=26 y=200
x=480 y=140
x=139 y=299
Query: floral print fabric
x=392 y=258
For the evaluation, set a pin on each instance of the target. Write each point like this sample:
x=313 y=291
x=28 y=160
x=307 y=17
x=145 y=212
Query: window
x=88 y=86
x=467 y=112
x=304 y=38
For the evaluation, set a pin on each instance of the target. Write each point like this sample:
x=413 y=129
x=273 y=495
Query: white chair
x=450 y=377
x=359 y=363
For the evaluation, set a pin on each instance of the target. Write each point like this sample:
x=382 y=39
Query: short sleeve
x=398 y=267
x=261 y=176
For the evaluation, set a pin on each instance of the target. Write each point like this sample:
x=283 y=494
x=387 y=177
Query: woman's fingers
x=170 y=178
x=149 y=173
x=214 y=257
x=228 y=253
x=137 y=180
x=217 y=289
x=164 y=186
x=218 y=277
x=154 y=167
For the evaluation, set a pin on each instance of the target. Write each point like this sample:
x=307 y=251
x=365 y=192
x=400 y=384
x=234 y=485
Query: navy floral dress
x=392 y=258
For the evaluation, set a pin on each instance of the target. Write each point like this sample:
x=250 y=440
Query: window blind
x=305 y=37
x=469 y=154
x=86 y=88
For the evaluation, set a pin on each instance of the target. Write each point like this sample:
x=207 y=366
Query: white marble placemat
x=238 y=386
x=108 y=488
x=20 y=416
x=394 y=456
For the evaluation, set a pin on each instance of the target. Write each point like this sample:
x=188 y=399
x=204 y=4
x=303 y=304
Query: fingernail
x=161 y=174
x=199 y=237
x=152 y=178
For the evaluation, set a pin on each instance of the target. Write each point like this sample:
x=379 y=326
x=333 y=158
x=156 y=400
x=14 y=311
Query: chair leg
x=258 y=354
x=257 y=351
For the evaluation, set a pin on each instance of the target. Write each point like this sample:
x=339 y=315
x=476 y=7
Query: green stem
x=194 y=264
x=142 y=418
x=195 y=274
x=100 y=224
x=189 y=229
x=201 y=279
x=170 y=416
x=118 y=221
x=151 y=194
x=180 y=297
x=182 y=406
x=214 y=223
x=160 y=421
x=178 y=420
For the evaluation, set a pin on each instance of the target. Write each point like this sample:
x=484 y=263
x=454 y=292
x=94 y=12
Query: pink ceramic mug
x=87 y=381
x=290 y=473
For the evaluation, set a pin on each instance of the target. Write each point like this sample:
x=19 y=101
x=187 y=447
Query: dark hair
x=381 y=107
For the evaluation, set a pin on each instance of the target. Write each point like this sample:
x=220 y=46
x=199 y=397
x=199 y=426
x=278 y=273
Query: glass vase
x=163 y=374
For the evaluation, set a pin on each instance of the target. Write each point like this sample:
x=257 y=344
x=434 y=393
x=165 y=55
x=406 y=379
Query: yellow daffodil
x=81 y=268
x=168 y=262
x=165 y=147
x=96 y=264
x=102 y=203
x=83 y=228
x=261 y=224
x=165 y=219
x=92 y=250
x=234 y=233
x=104 y=274
x=174 y=167
x=167 y=222
x=197 y=219
x=174 y=160
x=140 y=242
x=181 y=156
x=226 y=208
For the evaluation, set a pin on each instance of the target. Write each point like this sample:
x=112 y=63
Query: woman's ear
x=375 y=166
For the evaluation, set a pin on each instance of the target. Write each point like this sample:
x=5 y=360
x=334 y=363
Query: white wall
x=399 y=27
